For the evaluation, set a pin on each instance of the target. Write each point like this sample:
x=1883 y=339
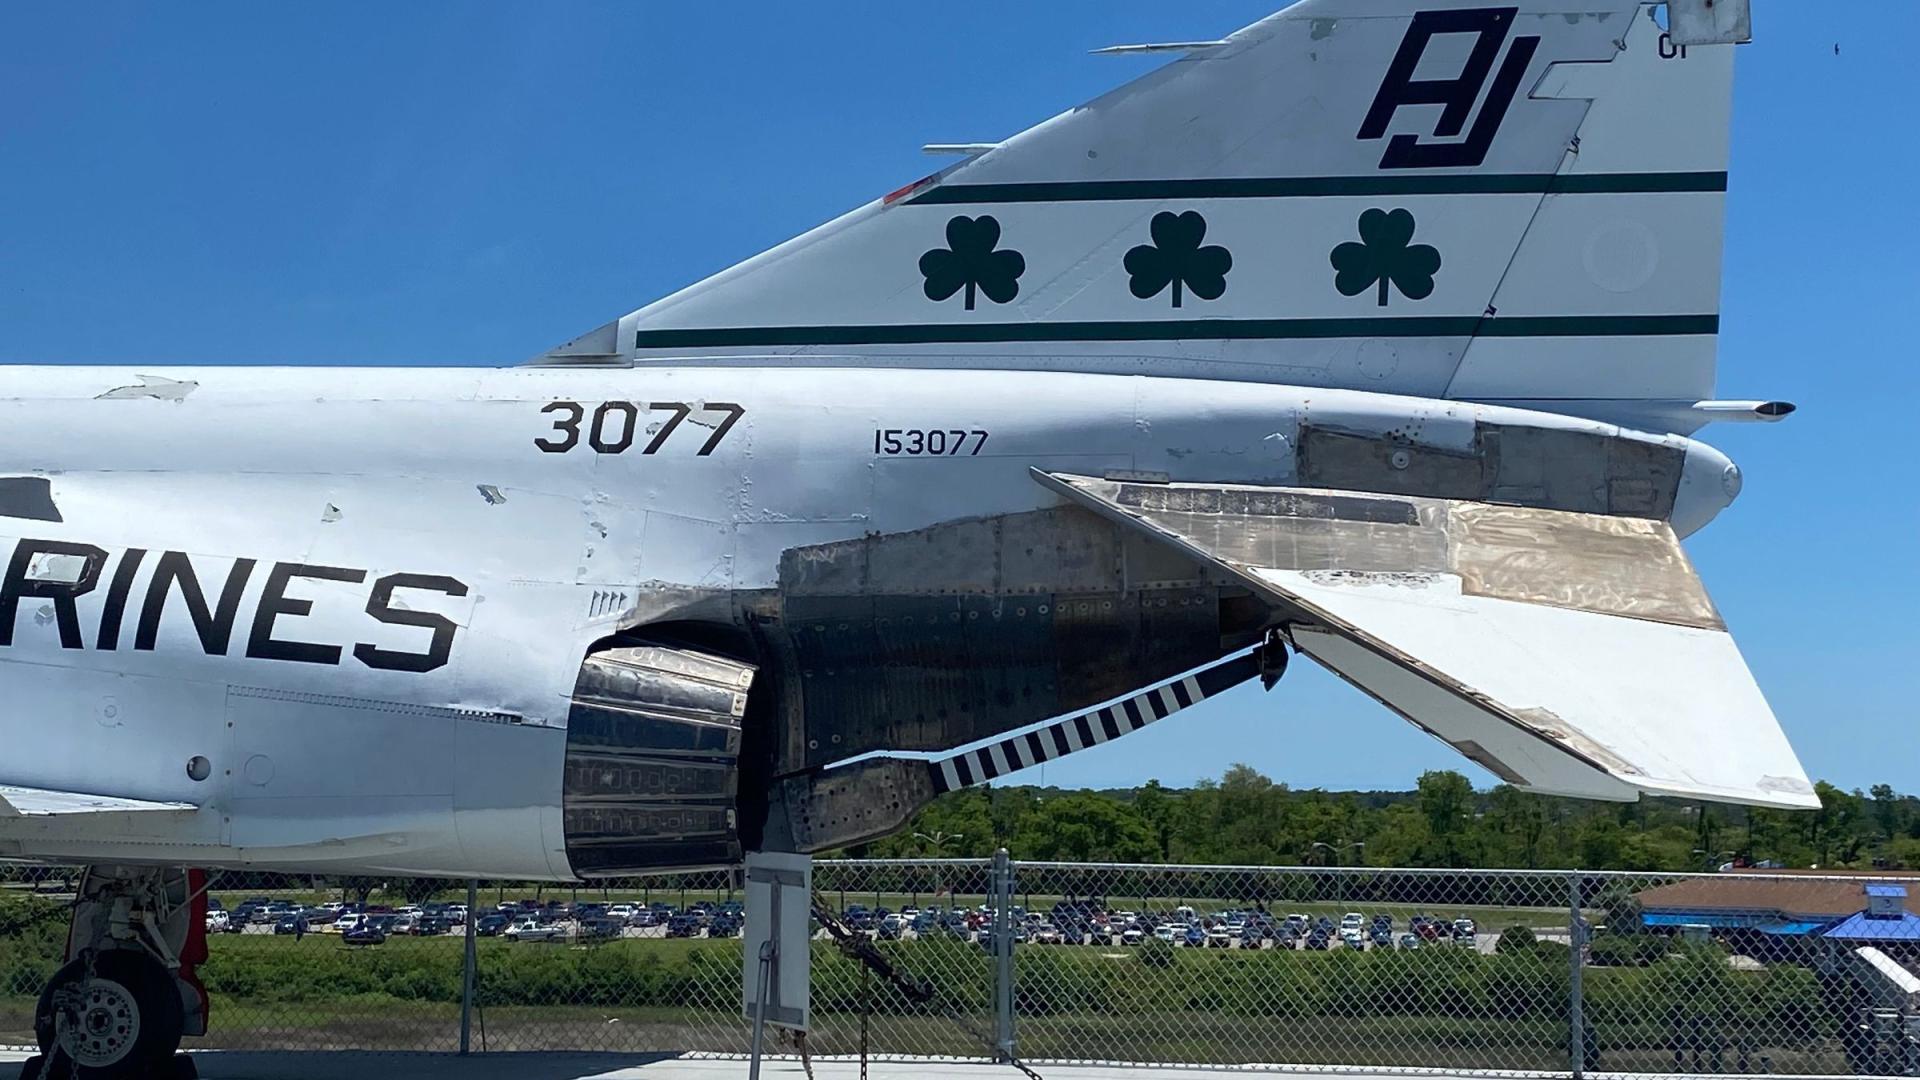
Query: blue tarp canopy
x=1764 y=922
x=1865 y=927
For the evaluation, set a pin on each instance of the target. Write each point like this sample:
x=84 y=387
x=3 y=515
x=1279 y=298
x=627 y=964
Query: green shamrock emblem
x=1383 y=256
x=1176 y=258
x=969 y=262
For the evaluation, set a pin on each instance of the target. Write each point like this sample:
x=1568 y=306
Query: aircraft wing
x=1571 y=654
x=39 y=802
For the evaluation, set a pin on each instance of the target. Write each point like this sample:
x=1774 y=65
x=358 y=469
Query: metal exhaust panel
x=652 y=764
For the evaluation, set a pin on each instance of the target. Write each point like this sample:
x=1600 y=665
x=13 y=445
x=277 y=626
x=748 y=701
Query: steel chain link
x=1361 y=967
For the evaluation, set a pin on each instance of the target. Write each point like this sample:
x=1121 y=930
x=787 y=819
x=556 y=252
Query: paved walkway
x=242 y=1065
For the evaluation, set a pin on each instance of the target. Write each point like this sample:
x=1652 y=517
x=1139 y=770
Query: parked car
x=491 y=925
x=1409 y=941
x=683 y=926
x=366 y=932
x=218 y=922
x=1318 y=937
x=1463 y=930
x=529 y=928
x=1219 y=938
x=404 y=923
x=431 y=925
x=294 y=923
x=724 y=924
x=600 y=928
x=1047 y=934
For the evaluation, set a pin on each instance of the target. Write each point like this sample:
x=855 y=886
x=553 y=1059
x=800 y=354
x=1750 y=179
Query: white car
x=1165 y=933
x=530 y=929
x=349 y=922
x=623 y=912
x=218 y=921
x=1353 y=929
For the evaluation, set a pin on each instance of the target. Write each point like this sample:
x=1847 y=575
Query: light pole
x=1333 y=850
x=936 y=840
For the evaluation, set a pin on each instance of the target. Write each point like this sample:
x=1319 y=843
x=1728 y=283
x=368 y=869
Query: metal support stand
x=1003 y=955
x=768 y=952
x=468 y=967
x=775 y=963
x=1576 y=1027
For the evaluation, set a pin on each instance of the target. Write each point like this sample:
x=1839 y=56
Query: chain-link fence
x=1540 y=972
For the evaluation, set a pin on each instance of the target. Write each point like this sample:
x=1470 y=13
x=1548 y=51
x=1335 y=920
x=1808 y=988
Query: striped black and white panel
x=1064 y=736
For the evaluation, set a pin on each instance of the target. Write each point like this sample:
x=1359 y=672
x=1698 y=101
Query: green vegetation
x=1384 y=1006
x=1245 y=818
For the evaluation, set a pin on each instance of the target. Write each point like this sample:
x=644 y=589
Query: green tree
x=1446 y=801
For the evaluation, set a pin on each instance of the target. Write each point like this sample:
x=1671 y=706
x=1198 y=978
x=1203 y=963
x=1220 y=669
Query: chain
x=866 y=1015
x=918 y=991
x=65 y=1004
x=806 y=1055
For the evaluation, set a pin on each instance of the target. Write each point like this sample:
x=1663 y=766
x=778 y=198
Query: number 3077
x=928 y=442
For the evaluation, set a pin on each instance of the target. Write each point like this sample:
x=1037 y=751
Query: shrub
x=1155 y=953
x=1515 y=939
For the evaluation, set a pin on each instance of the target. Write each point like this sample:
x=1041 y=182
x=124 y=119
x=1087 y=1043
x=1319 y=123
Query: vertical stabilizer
x=1516 y=201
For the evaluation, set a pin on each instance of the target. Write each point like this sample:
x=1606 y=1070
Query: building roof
x=1783 y=895
x=1737 y=921
x=1904 y=928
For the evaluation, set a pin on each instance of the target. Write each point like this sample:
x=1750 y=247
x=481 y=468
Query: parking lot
x=1066 y=922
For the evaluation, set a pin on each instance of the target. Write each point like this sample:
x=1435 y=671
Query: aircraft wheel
x=122 y=1023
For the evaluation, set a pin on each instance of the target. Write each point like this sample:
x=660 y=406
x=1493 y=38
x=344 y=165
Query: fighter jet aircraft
x=1376 y=331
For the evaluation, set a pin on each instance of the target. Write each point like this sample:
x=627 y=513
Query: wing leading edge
x=1570 y=654
x=40 y=802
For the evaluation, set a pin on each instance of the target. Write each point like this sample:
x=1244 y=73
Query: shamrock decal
x=969 y=262
x=1383 y=257
x=1176 y=258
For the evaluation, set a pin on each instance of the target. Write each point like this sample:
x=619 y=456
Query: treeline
x=1246 y=818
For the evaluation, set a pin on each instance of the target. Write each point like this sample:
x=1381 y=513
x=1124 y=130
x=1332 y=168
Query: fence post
x=467 y=965
x=1576 y=935
x=1003 y=954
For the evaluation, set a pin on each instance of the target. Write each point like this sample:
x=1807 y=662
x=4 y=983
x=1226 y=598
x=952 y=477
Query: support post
x=1577 y=935
x=467 y=968
x=1003 y=954
x=768 y=952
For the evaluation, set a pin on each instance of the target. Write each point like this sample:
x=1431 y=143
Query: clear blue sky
x=469 y=183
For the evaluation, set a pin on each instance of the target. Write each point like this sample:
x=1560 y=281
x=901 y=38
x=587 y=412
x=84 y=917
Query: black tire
x=133 y=1016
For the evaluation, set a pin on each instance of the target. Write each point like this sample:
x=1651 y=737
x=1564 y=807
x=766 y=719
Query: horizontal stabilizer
x=39 y=802
x=1571 y=654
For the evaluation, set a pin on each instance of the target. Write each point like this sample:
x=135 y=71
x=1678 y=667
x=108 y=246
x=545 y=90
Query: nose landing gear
x=118 y=1008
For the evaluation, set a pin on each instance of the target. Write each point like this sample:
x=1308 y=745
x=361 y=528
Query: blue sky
x=470 y=183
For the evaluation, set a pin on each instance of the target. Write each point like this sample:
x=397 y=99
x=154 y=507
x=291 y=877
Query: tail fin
x=1518 y=201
